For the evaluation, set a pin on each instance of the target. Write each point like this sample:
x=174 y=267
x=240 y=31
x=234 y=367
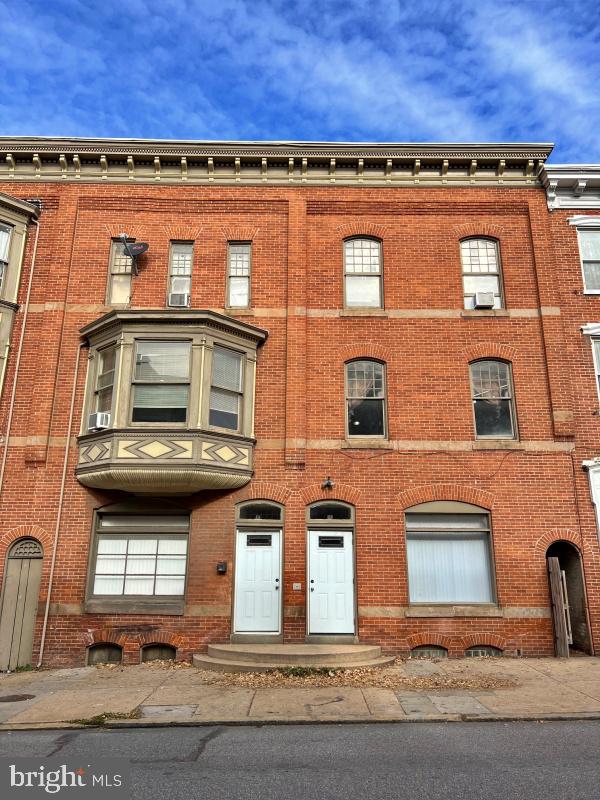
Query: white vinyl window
x=596 y=354
x=5 y=232
x=481 y=271
x=362 y=273
x=139 y=561
x=365 y=398
x=449 y=558
x=493 y=401
x=589 y=249
x=180 y=273
x=119 y=283
x=239 y=259
x=161 y=382
x=226 y=389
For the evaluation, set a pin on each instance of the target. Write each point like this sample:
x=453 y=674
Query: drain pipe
x=60 y=501
x=13 y=395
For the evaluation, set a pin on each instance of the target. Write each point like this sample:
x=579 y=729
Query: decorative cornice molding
x=227 y=162
x=571 y=185
x=20 y=207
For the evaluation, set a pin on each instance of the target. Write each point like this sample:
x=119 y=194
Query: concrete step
x=203 y=661
x=327 y=655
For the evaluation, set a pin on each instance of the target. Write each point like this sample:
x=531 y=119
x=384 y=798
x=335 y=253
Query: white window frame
x=384 y=400
x=172 y=245
x=137 y=382
x=581 y=229
x=240 y=394
x=5 y=263
x=112 y=273
x=498 y=272
x=379 y=274
x=512 y=402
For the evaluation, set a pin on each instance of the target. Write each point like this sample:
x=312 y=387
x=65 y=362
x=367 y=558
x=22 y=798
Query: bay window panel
x=449 y=570
x=162 y=361
x=160 y=403
x=5 y=231
x=224 y=409
x=227 y=369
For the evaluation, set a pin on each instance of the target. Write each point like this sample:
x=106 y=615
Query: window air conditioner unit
x=484 y=299
x=179 y=299
x=99 y=421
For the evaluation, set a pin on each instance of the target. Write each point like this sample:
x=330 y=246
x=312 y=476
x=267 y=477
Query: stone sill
x=134 y=607
x=367 y=444
x=363 y=312
x=484 y=312
x=498 y=444
x=484 y=610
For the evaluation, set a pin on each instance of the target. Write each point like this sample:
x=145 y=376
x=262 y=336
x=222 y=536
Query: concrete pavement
x=152 y=695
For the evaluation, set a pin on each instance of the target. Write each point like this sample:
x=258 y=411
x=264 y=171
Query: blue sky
x=361 y=70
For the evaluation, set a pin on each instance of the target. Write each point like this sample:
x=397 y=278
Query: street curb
x=130 y=724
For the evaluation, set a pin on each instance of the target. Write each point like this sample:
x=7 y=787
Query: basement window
x=159 y=652
x=105 y=654
x=429 y=651
x=483 y=651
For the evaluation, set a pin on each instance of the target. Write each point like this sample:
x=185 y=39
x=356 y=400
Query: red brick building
x=342 y=394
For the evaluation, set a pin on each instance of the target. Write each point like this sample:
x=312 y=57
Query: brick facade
x=534 y=487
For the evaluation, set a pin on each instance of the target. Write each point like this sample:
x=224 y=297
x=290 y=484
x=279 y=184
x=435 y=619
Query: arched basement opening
x=569 y=561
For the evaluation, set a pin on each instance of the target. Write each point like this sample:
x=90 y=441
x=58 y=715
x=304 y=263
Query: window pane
x=171 y=565
x=120 y=263
x=120 y=289
x=224 y=409
x=365 y=379
x=239 y=294
x=113 y=585
x=362 y=291
x=479 y=255
x=5 y=231
x=490 y=379
x=365 y=418
x=181 y=259
x=162 y=361
x=451 y=570
x=227 y=369
x=180 y=285
x=139 y=585
x=172 y=546
x=239 y=259
x=160 y=403
x=591 y=273
x=590 y=245
x=493 y=418
x=110 y=565
x=177 y=521
x=362 y=255
x=481 y=283
x=445 y=522
x=171 y=586
x=110 y=544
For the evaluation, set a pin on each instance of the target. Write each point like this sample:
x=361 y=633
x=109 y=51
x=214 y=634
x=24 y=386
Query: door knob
x=276 y=587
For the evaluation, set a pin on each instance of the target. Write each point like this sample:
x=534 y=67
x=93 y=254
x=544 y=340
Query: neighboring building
x=334 y=398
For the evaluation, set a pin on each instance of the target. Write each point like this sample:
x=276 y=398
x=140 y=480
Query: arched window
x=159 y=652
x=362 y=273
x=482 y=278
x=429 y=651
x=330 y=511
x=257 y=510
x=449 y=554
x=105 y=654
x=365 y=398
x=493 y=400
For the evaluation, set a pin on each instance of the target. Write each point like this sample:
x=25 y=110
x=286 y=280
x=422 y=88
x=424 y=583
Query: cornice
x=571 y=186
x=228 y=162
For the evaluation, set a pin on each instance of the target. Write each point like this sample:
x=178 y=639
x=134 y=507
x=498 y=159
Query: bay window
x=5 y=232
x=161 y=382
x=226 y=389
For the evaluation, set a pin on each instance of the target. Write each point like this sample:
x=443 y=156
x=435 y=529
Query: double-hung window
x=239 y=259
x=362 y=273
x=449 y=558
x=105 y=379
x=141 y=556
x=482 y=281
x=5 y=232
x=180 y=273
x=493 y=400
x=161 y=383
x=589 y=248
x=225 y=389
x=119 y=282
x=365 y=398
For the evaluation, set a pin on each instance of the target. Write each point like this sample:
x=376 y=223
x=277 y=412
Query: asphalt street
x=521 y=760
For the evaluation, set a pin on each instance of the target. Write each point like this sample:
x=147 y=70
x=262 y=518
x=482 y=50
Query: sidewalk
x=416 y=690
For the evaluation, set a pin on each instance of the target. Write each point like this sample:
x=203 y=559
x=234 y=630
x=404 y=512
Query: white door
x=330 y=582
x=258 y=582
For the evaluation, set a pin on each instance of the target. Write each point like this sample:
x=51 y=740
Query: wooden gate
x=560 y=608
x=20 y=592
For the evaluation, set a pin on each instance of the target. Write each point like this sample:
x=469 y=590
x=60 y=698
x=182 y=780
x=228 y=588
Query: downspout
x=11 y=407
x=60 y=502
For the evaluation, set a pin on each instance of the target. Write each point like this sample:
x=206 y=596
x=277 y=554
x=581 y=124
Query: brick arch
x=341 y=491
x=362 y=229
x=239 y=233
x=365 y=350
x=261 y=490
x=557 y=535
x=492 y=639
x=433 y=638
x=479 y=350
x=105 y=636
x=24 y=532
x=446 y=491
x=482 y=229
x=135 y=231
x=182 y=233
x=160 y=637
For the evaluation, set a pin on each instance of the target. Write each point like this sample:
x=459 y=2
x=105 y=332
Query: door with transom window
x=257 y=602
